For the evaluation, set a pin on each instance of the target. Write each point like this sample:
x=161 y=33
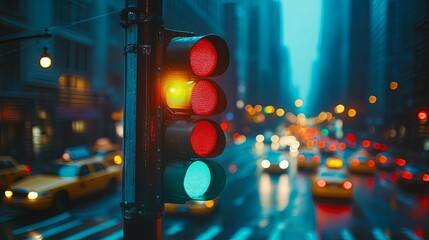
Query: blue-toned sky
x=301 y=23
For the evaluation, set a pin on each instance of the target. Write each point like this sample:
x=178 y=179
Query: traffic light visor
x=203 y=55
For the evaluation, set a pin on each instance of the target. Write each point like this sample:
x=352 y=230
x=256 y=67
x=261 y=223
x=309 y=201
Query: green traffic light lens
x=197 y=180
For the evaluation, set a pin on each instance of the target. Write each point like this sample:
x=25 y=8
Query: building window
x=75 y=82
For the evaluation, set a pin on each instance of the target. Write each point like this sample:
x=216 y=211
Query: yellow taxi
x=60 y=182
x=192 y=207
x=11 y=171
x=105 y=150
x=332 y=183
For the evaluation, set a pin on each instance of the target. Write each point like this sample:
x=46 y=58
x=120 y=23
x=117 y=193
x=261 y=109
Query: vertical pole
x=141 y=198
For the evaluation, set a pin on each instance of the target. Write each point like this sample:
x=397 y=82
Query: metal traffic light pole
x=141 y=198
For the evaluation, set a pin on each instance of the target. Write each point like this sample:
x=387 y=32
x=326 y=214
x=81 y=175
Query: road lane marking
x=276 y=234
x=242 y=234
x=95 y=229
x=210 y=233
x=40 y=224
x=56 y=230
x=346 y=234
x=174 y=229
x=379 y=234
x=115 y=236
x=410 y=234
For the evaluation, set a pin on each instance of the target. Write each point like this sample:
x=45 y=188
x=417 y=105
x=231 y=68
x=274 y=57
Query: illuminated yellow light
x=280 y=112
x=372 y=99
x=334 y=163
x=298 y=103
x=258 y=108
x=339 y=108
x=178 y=94
x=352 y=112
x=32 y=195
x=45 y=62
x=8 y=193
x=248 y=108
x=117 y=159
x=260 y=138
x=323 y=116
x=393 y=85
x=209 y=203
x=269 y=109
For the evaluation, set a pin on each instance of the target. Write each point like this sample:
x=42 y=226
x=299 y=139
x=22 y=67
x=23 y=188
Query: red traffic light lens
x=204 y=138
x=203 y=58
x=422 y=115
x=204 y=98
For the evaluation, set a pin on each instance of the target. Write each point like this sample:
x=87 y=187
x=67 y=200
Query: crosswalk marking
x=346 y=234
x=210 y=233
x=174 y=229
x=92 y=230
x=242 y=234
x=41 y=223
x=115 y=236
x=379 y=234
x=56 y=230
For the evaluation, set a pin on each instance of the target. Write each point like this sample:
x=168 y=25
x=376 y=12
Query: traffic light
x=422 y=115
x=189 y=94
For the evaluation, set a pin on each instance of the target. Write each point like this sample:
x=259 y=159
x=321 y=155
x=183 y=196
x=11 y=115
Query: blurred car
x=361 y=164
x=332 y=183
x=334 y=162
x=414 y=175
x=60 y=182
x=76 y=153
x=192 y=207
x=308 y=160
x=275 y=162
x=385 y=161
x=11 y=171
x=108 y=152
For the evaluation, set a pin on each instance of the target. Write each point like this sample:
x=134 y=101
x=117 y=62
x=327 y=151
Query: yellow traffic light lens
x=178 y=94
x=117 y=159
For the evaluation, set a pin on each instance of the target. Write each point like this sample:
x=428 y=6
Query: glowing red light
x=204 y=98
x=400 y=162
x=347 y=185
x=422 y=115
x=27 y=168
x=425 y=177
x=321 y=183
x=407 y=175
x=371 y=163
x=203 y=58
x=382 y=159
x=316 y=159
x=355 y=162
x=225 y=126
x=383 y=147
x=377 y=146
x=332 y=147
x=203 y=138
x=236 y=135
x=366 y=143
x=342 y=146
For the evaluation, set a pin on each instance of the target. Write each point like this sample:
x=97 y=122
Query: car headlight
x=32 y=195
x=8 y=193
x=284 y=164
x=265 y=163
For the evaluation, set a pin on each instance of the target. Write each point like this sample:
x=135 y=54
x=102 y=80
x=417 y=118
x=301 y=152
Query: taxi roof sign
x=334 y=162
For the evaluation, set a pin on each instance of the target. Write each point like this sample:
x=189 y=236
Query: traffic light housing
x=189 y=94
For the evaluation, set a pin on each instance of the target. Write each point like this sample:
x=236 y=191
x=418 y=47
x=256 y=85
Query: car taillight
x=406 y=175
x=316 y=159
x=347 y=185
x=425 y=177
x=301 y=158
x=321 y=183
x=400 y=162
x=27 y=168
x=371 y=163
x=355 y=162
x=382 y=159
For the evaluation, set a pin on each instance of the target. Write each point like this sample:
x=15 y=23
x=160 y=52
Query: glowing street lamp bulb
x=45 y=62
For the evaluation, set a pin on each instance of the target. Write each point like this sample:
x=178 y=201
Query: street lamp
x=45 y=59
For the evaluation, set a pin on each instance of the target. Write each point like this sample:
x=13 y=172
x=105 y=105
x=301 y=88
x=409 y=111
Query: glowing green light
x=197 y=179
x=325 y=132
